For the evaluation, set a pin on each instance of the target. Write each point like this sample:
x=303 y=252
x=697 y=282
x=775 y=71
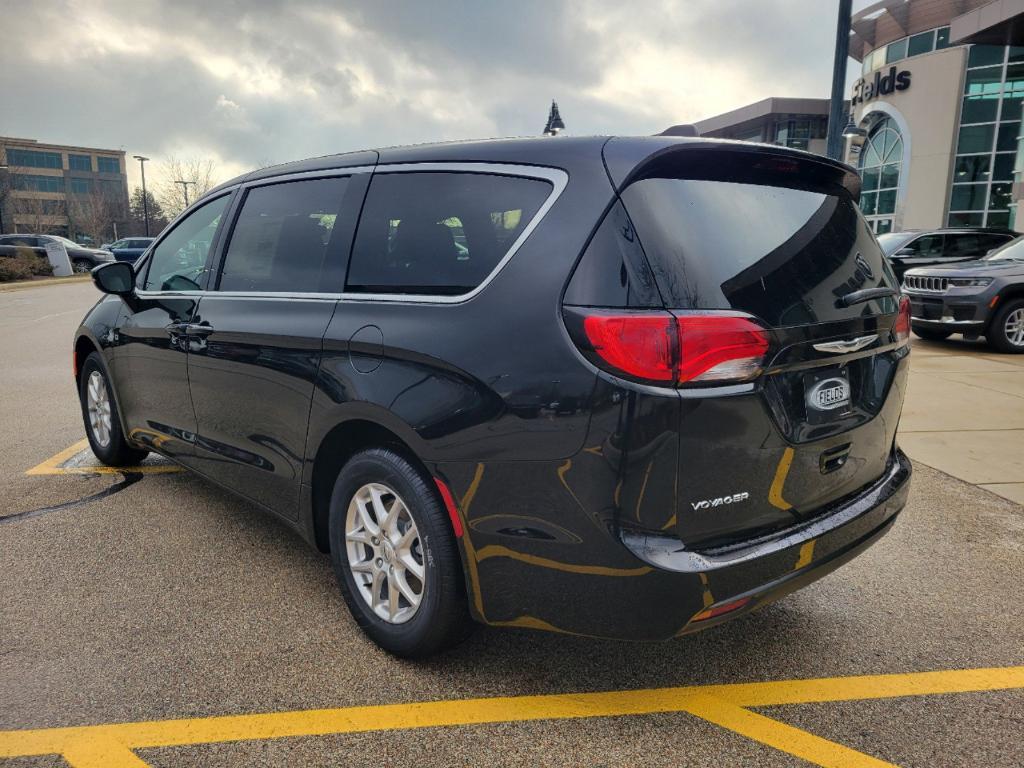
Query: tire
x=1006 y=331
x=81 y=266
x=380 y=477
x=930 y=334
x=102 y=425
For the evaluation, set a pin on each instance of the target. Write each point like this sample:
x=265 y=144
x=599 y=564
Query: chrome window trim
x=557 y=177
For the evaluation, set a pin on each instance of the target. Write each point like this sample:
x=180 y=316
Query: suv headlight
x=969 y=282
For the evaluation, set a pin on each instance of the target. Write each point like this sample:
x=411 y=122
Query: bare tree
x=32 y=213
x=94 y=215
x=200 y=173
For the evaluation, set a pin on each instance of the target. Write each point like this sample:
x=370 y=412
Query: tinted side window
x=178 y=262
x=282 y=239
x=962 y=245
x=613 y=271
x=926 y=245
x=439 y=233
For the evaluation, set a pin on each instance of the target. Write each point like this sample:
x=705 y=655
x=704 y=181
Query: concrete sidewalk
x=964 y=414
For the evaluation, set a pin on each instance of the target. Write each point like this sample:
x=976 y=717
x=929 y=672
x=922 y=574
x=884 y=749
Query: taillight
x=661 y=347
x=641 y=345
x=901 y=329
x=720 y=348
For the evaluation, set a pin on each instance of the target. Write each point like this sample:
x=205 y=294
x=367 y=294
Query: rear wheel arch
x=340 y=444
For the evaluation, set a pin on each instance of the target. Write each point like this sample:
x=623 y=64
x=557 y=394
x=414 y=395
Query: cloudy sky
x=265 y=81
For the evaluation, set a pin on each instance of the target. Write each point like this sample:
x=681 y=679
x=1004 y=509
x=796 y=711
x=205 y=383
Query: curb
x=25 y=284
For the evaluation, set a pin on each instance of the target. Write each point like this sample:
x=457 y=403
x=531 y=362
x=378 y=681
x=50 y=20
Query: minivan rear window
x=439 y=233
x=781 y=253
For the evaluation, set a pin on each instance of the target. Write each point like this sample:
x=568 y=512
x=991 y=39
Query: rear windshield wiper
x=867 y=294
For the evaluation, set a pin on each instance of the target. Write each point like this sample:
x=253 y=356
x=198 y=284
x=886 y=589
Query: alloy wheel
x=97 y=402
x=385 y=554
x=1014 y=327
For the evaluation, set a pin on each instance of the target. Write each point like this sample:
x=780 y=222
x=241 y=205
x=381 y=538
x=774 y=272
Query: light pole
x=184 y=188
x=3 y=197
x=834 y=143
x=145 y=198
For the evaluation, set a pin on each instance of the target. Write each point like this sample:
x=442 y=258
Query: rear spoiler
x=631 y=160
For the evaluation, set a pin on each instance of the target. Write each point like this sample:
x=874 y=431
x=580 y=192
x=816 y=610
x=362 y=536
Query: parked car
x=925 y=248
x=82 y=259
x=552 y=426
x=975 y=298
x=128 y=248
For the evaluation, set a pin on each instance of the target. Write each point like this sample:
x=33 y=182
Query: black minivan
x=618 y=387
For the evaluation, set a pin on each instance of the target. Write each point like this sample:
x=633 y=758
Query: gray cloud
x=268 y=80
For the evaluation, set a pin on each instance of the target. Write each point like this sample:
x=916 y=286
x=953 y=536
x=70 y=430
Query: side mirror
x=904 y=252
x=115 y=277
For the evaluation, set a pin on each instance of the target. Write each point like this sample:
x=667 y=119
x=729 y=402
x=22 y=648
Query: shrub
x=14 y=269
x=37 y=265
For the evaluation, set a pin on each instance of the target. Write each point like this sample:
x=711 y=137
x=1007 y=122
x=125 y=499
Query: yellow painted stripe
x=52 y=466
x=164 y=733
x=776 y=734
x=781 y=473
x=47 y=467
x=496 y=550
x=99 y=752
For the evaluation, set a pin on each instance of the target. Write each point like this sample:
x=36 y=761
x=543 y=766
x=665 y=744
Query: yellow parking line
x=724 y=705
x=53 y=465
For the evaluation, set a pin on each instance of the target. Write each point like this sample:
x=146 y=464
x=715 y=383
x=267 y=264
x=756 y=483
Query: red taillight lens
x=641 y=345
x=692 y=348
x=901 y=329
x=719 y=348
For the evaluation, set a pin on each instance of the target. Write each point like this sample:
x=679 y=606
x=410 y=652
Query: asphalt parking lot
x=212 y=636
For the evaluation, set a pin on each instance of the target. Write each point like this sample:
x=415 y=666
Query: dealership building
x=936 y=113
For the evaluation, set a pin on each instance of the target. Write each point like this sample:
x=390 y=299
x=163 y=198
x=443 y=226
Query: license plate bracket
x=827 y=395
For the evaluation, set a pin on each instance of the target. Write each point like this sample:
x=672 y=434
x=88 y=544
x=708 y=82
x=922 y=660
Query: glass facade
x=881 y=160
x=915 y=45
x=31 y=158
x=797 y=133
x=29 y=183
x=79 y=162
x=990 y=122
x=108 y=164
x=80 y=186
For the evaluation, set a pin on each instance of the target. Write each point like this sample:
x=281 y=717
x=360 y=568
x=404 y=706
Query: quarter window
x=439 y=233
x=179 y=260
x=284 y=239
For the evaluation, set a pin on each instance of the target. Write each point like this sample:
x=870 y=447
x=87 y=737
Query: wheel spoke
x=363 y=566
x=389 y=524
x=364 y=515
x=359 y=536
x=393 y=594
x=409 y=562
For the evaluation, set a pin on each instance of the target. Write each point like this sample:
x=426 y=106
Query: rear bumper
x=757 y=573
x=587 y=579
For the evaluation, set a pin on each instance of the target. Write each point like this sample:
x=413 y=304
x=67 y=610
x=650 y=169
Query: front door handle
x=198 y=329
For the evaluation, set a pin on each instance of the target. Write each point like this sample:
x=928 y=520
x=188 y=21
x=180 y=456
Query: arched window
x=881 y=159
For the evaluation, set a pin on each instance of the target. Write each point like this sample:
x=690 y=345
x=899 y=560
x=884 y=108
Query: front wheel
x=395 y=556
x=930 y=334
x=102 y=426
x=81 y=266
x=1006 y=332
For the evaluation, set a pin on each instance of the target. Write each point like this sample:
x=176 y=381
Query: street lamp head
x=852 y=131
x=140 y=158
